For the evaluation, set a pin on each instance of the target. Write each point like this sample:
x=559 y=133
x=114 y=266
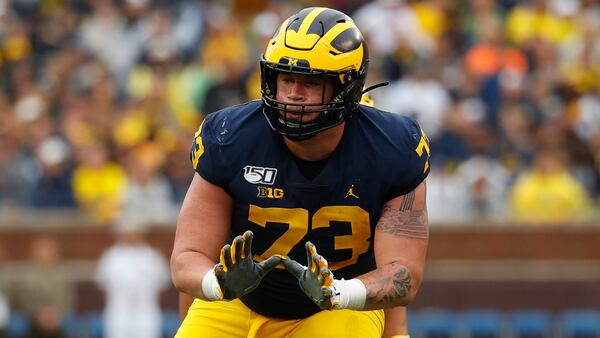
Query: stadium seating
x=580 y=323
x=18 y=325
x=432 y=323
x=481 y=323
x=490 y=323
x=423 y=323
x=531 y=323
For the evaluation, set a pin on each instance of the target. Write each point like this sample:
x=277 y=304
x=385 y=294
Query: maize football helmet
x=318 y=42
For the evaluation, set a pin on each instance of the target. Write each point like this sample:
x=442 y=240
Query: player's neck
x=319 y=147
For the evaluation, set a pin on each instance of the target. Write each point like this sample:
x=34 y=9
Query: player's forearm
x=390 y=285
x=188 y=270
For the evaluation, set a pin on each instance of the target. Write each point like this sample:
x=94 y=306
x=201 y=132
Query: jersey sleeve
x=415 y=166
x=204 y=153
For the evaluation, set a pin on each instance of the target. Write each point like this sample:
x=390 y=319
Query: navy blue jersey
x=380 y=156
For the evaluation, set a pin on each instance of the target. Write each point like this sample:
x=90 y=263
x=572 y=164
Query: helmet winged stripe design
x=321 y=42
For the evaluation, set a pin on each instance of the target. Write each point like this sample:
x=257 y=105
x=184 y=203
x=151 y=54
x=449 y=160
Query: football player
x=396 y=321
x=326 y=197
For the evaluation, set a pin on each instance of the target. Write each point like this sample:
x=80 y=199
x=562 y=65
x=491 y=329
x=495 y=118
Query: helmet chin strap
x=299 y=138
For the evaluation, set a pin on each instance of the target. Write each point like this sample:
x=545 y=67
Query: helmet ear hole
x=349 y=76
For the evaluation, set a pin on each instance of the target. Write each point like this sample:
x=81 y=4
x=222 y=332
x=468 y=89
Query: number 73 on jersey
x=298 y=221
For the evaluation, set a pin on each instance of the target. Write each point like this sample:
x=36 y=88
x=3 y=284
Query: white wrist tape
x=351 y=294
x=210 y=286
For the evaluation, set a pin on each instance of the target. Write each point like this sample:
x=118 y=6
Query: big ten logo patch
x=268 y=192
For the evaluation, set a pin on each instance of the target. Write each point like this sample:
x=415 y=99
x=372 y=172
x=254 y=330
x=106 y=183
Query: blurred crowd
x=99 y=99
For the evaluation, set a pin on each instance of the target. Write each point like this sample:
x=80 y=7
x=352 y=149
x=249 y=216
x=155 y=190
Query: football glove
x=236 y=272
x=318 y=283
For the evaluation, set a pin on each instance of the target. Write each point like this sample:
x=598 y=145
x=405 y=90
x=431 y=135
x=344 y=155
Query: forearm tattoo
x=384 y=291
x=405 y=220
